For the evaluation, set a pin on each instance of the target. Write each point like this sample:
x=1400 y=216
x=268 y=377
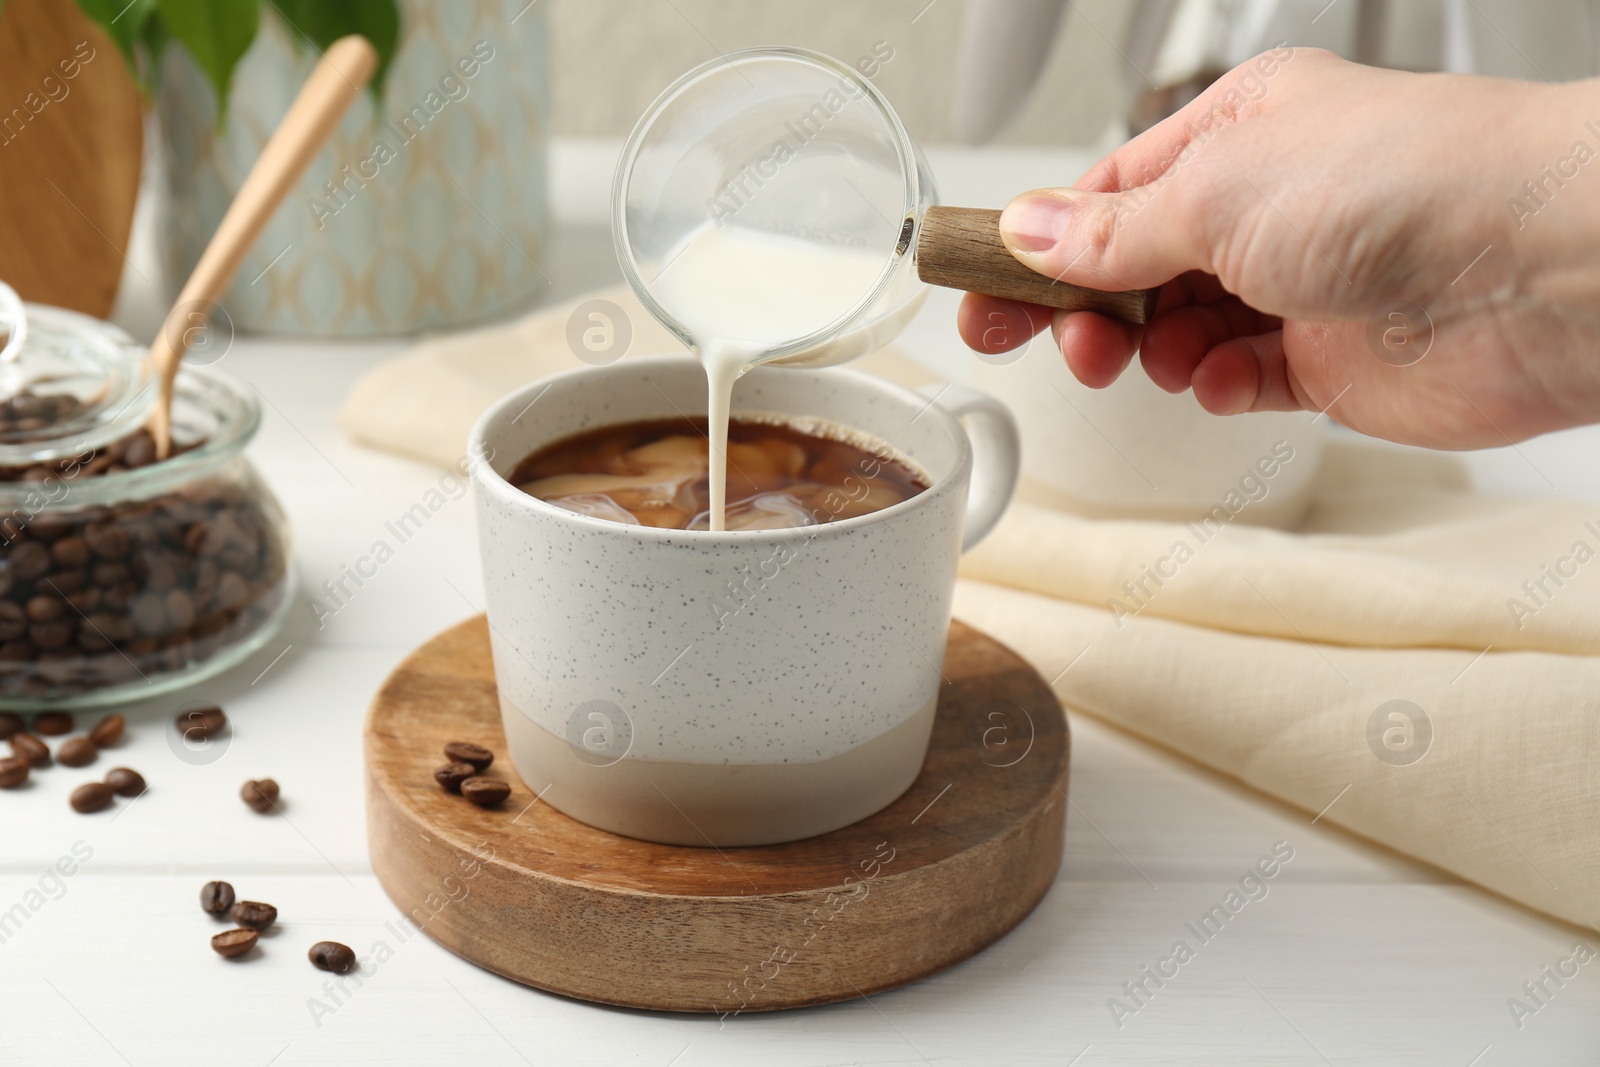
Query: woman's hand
x=1316 y=226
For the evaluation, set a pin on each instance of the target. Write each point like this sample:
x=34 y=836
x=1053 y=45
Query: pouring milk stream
x=742 y=294
x=769 y=206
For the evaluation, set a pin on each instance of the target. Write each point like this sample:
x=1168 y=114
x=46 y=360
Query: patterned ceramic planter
x=428 y=208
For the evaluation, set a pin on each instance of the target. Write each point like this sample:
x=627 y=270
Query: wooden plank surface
x=1373 y=958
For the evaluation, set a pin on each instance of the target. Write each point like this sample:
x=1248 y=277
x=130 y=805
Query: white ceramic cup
x=734 y=688
x=1135 y=451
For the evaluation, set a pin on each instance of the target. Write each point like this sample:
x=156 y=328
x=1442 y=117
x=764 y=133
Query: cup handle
x=996 y=459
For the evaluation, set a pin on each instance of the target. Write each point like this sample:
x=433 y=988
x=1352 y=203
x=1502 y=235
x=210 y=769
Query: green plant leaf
x=121 y=20
x=154 y=37
x=325 y=21
x=216 y=33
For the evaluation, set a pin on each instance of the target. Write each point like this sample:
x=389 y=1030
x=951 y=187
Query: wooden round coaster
x=540 y=898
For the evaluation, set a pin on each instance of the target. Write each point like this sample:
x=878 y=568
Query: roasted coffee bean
x=159 y=573
x=9 y=724
x=67 y=582
x=332 y=956
x=29 y=404
x=52 y=723
x=180 y=610
x=253 y=914
x=108 y=731
x=485 y=792
x=70 y=552
x=232 y=592
x=13 y=771
x=240 y=557
x=13 y=621
x=85 y=600
x=117 y=599
x=205 y=581
x=216 y=898
x=106 y=541
x=77 y=752
x=125 y=782
x=108 y=574
x=213 y=536
x=140 y=451
x=451 y=775
x=149 y=614
x=91 y=796
x=232 y=943
x=28 y=561
x=261 y=794
x=201 y=722
x=30 y=748
x=52 y=634
x=211 y=625
x=43 y=608
x=107 y=627
x=467 y=752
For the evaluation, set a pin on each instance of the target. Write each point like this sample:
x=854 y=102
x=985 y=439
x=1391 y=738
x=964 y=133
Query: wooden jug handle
x=960 y=248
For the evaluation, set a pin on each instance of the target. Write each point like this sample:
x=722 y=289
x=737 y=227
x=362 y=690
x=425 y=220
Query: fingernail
x=1034 y=222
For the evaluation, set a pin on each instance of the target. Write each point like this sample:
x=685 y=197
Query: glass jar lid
x=69 y=383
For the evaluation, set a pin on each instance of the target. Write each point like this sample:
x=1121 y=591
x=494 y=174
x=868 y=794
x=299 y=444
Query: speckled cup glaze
x=732 y=688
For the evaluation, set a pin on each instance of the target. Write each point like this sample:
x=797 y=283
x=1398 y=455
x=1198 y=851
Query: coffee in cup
x=781 y=472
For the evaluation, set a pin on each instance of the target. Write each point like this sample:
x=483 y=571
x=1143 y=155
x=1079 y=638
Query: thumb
x=1134 y=239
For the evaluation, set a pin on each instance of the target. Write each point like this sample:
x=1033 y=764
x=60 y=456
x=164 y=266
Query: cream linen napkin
x=1418 y=663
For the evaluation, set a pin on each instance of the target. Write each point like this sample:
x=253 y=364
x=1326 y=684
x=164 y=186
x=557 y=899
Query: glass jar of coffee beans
x=122 y=576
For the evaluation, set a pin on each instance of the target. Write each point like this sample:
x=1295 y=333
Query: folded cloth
x=1419 y=663
x=1480 y=765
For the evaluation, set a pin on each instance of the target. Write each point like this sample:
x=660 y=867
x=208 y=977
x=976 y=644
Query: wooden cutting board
x=69 y=156
x=525 y=891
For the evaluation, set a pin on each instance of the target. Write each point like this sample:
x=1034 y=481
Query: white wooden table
x=1355 y=956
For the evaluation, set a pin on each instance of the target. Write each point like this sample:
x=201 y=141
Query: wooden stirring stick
x=960 y=247
x=338 y=79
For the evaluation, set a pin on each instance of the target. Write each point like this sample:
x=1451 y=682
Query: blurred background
x=951 y=56
x=471 y=185
x=433 y=206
